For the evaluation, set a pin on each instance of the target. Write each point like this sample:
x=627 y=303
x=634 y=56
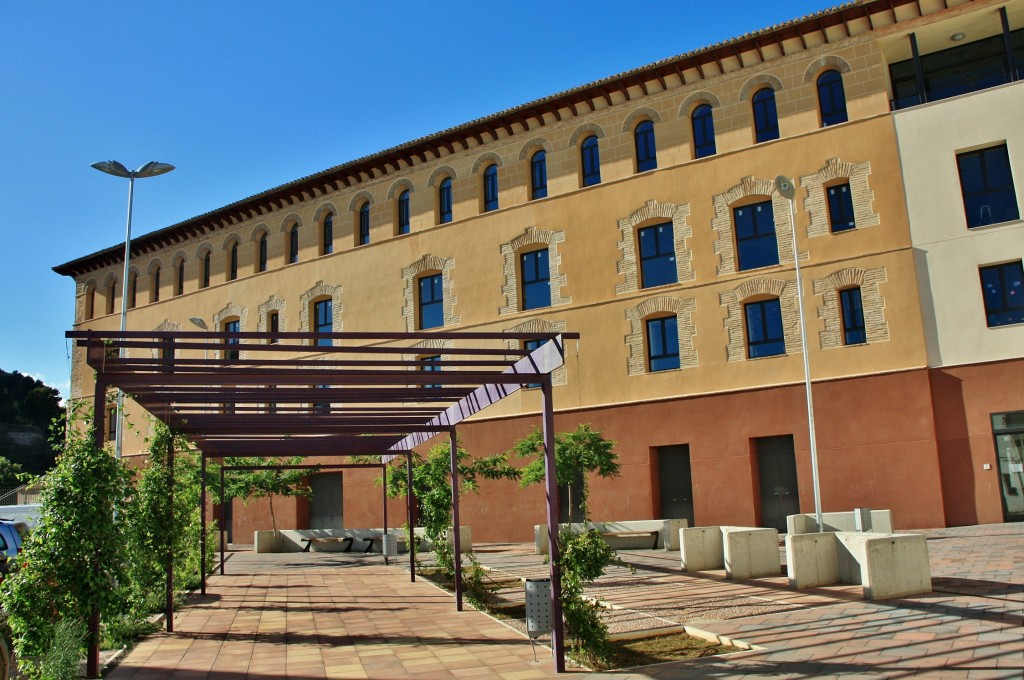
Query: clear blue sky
x=245 y=96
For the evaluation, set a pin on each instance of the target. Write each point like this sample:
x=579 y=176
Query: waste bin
x=538 y=607
x=389 y=545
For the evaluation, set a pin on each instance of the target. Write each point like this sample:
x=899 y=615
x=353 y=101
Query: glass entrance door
x=1008 y=429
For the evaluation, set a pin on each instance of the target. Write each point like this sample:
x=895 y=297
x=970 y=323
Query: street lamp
x=150 y=169
x=785 y=187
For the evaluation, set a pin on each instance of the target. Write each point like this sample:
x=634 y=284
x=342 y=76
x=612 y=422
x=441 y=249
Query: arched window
x=261 y=256
x=854 y=332
x=133 y=287
x=756 y=242
x=205 y=275
x=90 y=302
x=403 y=212
x=431 y=301
x=327 y=233
x=230 y=344
x=111 y=290
x=703 y=131
x=590 y=160
x=154 y=290
x=491 y=188
x=831 y=98
x=536 y=279
x=323 y=320
x=646 y=152
x=293 y=245
x=662 y=343
x=179 y=284
x=233 y=262
x=364 y=224
x=765 y=336
x=444 y=201
x=539 y=175
x=766 y=116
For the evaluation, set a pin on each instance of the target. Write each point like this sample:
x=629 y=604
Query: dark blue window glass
x=364 y=224
x=1002 y=288
x=403 y=213
x=323 y=320
x=764 y=328
x=766 y=117
x=831 y=98
x=539 y=175
x=703 y=131
x=840 y=207
x=987 y=186
x=444 y=201
x=328 y=233
x=591 y=160
x=179 y=285
x=233 y=262
x=646 y=152
x=755 y=235
x=853 y=317
x=431 y=302
x=293 y=245
x=536 y=279
x=206 y=270
x=529 y=346
x=229 y=343
x=657 y=256
x=434 y=364
x=273 y=325
x=263 y=253
x=662 y=344
x=491 y=188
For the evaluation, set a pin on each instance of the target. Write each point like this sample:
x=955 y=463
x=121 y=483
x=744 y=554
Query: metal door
x=326 y=511
x=776 y=467
x=675 y=483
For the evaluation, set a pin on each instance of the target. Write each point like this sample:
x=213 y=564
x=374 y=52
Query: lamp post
x=785 y=187
x=150 y=169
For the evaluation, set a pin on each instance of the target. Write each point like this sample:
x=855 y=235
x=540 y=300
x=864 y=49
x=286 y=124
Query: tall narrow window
x=111 y=291
x=987 y=186
x=323 y=321
x=529 y=346
x=133 y=288
x=111 y=433
x=590 y=159
x=262 y=255
x=764 y=328
x=233 y=262
x=154 y=290
x=703 y=131
x=831 y=98
x=273 y=325
x=231 y=344
x=756 y=245
x=539 y=175
x=491 y=188
x=840 y=207
x=662 y=344
x=1002 y=288
x=327 y=243
x=766 y=117
x=403 y=213
x=364 y=224
x=444 y=201
x=90 y=302
x=179 y=285
x=657 y=255
x=646 y=150
x=853 y=317
x=431 y=302
x=205 y=274
x=293 y=244
x=536 y=279
x=433 y=363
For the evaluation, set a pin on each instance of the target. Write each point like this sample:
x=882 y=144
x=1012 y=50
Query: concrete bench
x=744 y=552
x=643 y=534
x=341 y=540
x=615 y=535
x=885 y=565
x=346 y=542
x=880 y=522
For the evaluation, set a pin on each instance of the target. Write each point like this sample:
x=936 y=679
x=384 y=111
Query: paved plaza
x=323 y=615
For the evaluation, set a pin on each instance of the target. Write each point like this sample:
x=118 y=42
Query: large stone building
x=642 y=212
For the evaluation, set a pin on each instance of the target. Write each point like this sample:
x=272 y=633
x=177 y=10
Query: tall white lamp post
x=785 y=187
x=151 y=169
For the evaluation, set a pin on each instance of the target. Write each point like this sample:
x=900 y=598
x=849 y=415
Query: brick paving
x=331 y=616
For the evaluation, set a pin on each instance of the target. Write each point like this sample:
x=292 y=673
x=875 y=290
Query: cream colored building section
x=948 y=253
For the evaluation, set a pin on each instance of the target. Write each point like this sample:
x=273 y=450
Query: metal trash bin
x=538 y=607
x=389 y=545
x=862 y=519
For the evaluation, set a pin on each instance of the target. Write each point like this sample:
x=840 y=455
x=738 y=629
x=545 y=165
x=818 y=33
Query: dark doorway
x=326 y=509
x=674 y=483
x=228 y=519
x=571 y=492
x=1009 y=432
x=776 y=468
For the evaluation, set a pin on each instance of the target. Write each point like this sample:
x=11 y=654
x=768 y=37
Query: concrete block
x=668 y=533
x=886 y=565
x=750 y=553
x=700 y=548
x=881 y=522
x=811 y=559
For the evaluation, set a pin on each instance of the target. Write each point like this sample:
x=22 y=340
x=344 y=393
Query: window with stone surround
x=425 y=267
x=590 y=161
x=1002 y=288
x=645 y=255
x=271 y=315
x=853 y=316
x=986 y=183
x=536 y=277
x=323 y=320
x=431 y=363
x=490 y=180
x=430 y=301
x=524 y=260
x=833 y=210
x=273 y=325
x=831 y=98
x=650 y=341
x=735 y=302
x=311 y=313
x=756 y=243
x=657 y=255
x=230 y=326
x=840 y=207
x=559 y=375
x=662 y=343
x=646 y=149
x=766 y=116
x=702 y=124
x=765 y=335
x=840 y=314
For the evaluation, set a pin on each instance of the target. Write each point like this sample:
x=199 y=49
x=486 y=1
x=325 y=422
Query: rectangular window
x=323 y=319
x=273 y=325
x=590 y=157
x=755 y=235
x=536 y=279
x=491 y=188
x=403 y=213
x=1002 y=288
x=155 y=292
x=987 y=186
x=233 y=263
x=231 y=344
x=657 y=255
x=180 y=284
x=764 y=328
x=328 y=234
x=293 y=245
x=646 y=150
x=539 y=175
x=853 y=317
x=840 y=207
x=444 y=202
x=111 y=423
x=364 y=224
x=431 y=302
x=662 y=344
x=434 y=364
x=529 y=346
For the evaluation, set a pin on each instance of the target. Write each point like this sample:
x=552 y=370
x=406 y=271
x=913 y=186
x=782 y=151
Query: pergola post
x=202 y=524
x=169 y=614
x=223 y=512
x=410 y=500
x=92 y=661
x=384 y=472
x=551 y=478
x=456 y=534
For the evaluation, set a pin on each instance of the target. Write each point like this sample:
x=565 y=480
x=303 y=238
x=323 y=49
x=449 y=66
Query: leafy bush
x=583 y=560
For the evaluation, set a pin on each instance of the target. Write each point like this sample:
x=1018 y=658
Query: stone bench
x=885 y=565
x=340 y=540
x=880 y=522
x=644 y=534
x=744 y=552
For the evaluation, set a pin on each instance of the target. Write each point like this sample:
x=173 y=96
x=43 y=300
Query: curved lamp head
x=150 y=169
x=198 y=323
x=785 y=187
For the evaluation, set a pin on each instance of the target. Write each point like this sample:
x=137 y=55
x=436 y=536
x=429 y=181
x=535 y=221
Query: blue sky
x=244 y=96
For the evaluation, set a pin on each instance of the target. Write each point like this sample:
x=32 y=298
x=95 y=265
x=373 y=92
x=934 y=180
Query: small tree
x=264 y=483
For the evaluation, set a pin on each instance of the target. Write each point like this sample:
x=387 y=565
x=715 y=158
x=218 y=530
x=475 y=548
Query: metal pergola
x=328 y=395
